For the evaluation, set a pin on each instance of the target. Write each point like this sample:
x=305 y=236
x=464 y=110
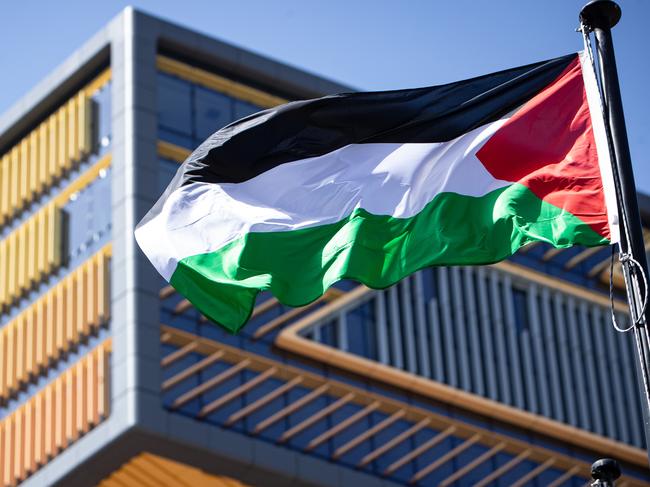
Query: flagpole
x=599 y=16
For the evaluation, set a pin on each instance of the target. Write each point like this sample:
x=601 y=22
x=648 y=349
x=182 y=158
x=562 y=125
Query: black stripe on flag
x=302 y=129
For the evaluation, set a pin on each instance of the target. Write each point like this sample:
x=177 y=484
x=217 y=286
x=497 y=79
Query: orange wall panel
x=55 y=417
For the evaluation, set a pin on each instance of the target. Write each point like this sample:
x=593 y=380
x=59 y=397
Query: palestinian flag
x=374 y=186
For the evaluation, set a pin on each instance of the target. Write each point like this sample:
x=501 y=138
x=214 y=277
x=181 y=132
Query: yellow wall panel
x=5 y=174
x=41 y=257
x=55 y=219
x=84 y=125
x=45 y=178
x=15 y=180
x=45 y=154
x=4 y=274
x=98 y=83
x=32 y=249
x=29 y=253
x=22 y=243
x=34 y=168
x=62 y=142
x=56 y=322
x=48 y=152
x=46 y=213
x=25 y=171
x=73 y=145
x=12 y=267
x=52 y=145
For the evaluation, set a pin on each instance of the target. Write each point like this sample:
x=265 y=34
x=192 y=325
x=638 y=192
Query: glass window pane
x=174 y=104
x=212 y=111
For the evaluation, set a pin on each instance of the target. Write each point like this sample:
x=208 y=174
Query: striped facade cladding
x=502 y=337
x=40 y=336
x=48 y=152
x=33 y=249
x=55 y=417
x=31 y=253
x=147 y=469
x=54 y=283
x=363 y=429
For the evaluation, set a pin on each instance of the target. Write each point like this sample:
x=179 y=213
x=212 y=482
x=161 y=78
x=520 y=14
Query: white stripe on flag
x=397 y=180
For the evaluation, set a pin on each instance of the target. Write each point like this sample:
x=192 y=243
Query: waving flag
x=374 y=186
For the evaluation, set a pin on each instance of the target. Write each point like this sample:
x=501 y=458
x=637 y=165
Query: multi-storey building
x=509 y=374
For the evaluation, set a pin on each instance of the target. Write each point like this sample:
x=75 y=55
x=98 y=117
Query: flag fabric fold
x=374 y=186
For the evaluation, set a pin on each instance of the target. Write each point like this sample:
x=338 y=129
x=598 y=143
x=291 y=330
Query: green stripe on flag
x=298 y=266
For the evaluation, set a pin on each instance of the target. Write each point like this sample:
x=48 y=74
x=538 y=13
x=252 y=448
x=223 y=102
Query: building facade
x=510 y=374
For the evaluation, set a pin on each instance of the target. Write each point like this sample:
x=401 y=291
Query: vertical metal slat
x=476 y=352
x=407 y=325
x=448 y=328
x=505 y=387
x=589 y=361
x=460 y=327
x=421 y=321
x=538 y=347
x=436 y=342
x=578 y=366
x=382 y=331
x=395 y=328
x=568 y=387
x=513 y=342
x=486 y=335
x=551 y=356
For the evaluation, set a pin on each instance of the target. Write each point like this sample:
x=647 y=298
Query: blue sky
x=367 y=44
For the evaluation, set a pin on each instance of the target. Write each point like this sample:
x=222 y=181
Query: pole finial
x=602 y=14
x=606 y=470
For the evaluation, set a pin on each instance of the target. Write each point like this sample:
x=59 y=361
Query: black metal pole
x=599 y=16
